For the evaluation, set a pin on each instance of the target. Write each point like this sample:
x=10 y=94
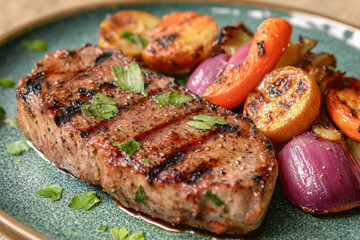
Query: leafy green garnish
x=182 y=79
x=134 y=38
x=84 y=201
x=103 y=228
x=131 y=79
x=174 y=98
x=129 y=147
x=124 y=197
x=215 y=200
x=51 y=191
x=12 y=122
x=140 y=196
x=209 y=119
x=331 y=68
x=219 y=78
x=100 y=106
x=122 y=234
x=199 y=125
x=346 y=82
x=2 y=113
x=7 y=82
x=36 y=45
x=146 y=161
x=17 y=148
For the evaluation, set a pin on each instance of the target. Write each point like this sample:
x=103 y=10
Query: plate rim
x=15 y=229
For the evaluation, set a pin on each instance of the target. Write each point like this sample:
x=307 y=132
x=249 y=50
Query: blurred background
x=20 y=14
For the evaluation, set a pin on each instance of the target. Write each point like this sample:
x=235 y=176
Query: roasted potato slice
x=180 y=42
x=127 y=30
x=229 y=39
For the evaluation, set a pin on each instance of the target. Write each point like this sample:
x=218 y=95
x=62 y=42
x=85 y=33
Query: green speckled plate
x=21 y=176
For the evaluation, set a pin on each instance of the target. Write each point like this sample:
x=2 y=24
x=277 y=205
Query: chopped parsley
x=36 y=45
x=103 y=228
x=130 y=79
x=129 y=147
x=331 y=68
x=134 y=38
x=146 y=161
x=182 y=79
x=199 y=125
x=173 y=98
x=7 y=82
x=215 y=200
x=100 y=106
x=84 y=201
x=219 y=78
x=51 y=191
x=346 y=82
x=17 y=148
x=12 y=122
x=123 y=234
x=124 y=197
x=209 y=119
x=140 y=196
x=2 y=113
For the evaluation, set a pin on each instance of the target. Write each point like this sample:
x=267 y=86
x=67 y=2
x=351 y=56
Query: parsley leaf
x=215 y=200
x=174 y=98
x=209 y=119
x=134 y=38
x=12 y=122
x=100 y=106
x=182 y=80
x=219 y=78
x=140 y=196
x=7 y=82
x=129 y=147
x=2 y=112
x=146 y=161
x=17 y=148
x=346 y=82
x=51 y=191
x=131 y=79
x=331 y=68
x=36 y=45
x=103 y=228
x=84 y=201
x=199 y=125
x=122 y=234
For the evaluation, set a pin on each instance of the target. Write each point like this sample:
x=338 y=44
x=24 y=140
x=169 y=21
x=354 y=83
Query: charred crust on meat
x=227 y=127
x=170 y=161
x=90 y=93
x=258 y=178
x=82 y=90
x=103 y=57
x=68 y=113
x=261 y=50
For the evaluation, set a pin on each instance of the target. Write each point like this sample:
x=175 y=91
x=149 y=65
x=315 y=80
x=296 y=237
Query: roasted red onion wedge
x=206 y=73
x=319 y=175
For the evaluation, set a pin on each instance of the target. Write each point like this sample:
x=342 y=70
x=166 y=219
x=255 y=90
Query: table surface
x=19 y=15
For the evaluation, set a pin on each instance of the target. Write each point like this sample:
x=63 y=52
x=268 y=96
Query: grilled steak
x=189 y=169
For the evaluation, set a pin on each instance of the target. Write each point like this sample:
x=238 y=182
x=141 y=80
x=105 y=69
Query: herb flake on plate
x=210 y=119
x=84 y=201
x=100 y=106
x=130 y=79
x=7 y=82
x=18 y=147
x=36 y=45
x=103 y=228
x=51 y=191
x=12 y=122
x=134 y=38
x=123 y=234
x=173 y=98
x=129 y=147
x=2 y=113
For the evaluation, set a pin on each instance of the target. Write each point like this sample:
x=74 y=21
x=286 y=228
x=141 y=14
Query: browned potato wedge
x=179 y=42
x=127 y=30
x=229 y=39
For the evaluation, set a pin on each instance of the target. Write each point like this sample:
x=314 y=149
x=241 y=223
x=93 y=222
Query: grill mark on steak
x=102 y=57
